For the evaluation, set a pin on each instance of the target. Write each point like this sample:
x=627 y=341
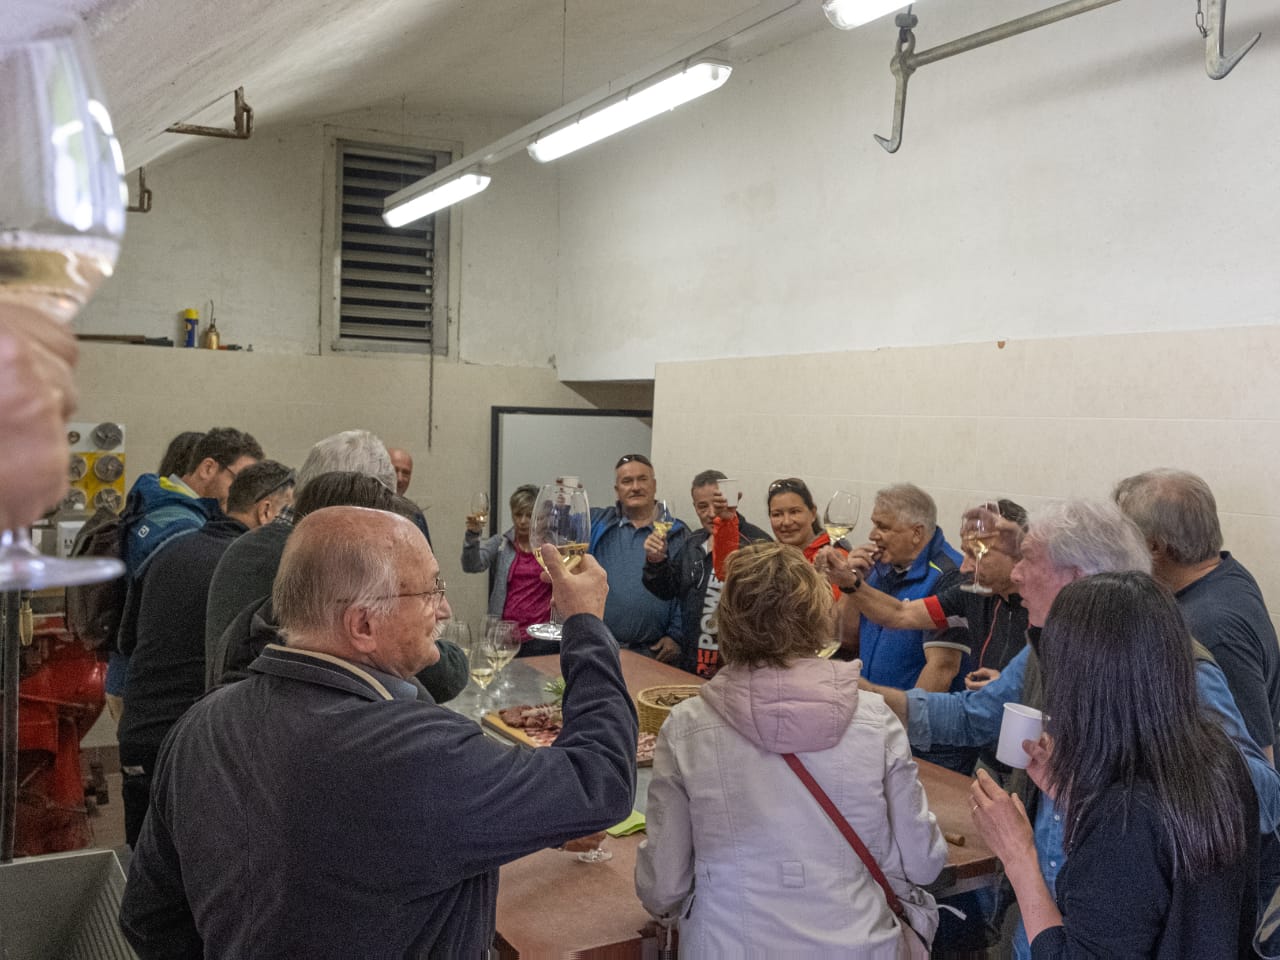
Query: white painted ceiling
x=165 y=61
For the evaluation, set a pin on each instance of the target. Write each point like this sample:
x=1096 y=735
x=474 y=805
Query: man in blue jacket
x=318 y=809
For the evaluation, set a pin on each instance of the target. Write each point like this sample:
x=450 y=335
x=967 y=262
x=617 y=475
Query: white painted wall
x=1085 y=178
x=241 y=223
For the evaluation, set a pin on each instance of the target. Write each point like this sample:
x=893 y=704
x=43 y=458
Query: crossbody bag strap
x=845 y=829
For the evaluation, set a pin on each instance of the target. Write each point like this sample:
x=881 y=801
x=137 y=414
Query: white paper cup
x=1019 y=723
x=731 y=491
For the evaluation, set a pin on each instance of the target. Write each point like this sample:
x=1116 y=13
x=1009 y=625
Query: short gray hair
x=910 y=504
x=1091 y=536
x=1176 y=510
x=335 y=558
x=358 y=451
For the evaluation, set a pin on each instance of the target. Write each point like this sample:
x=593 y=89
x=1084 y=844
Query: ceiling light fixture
x=424 y=197
x=696 y=67
x=847 y=14
x=637 y=104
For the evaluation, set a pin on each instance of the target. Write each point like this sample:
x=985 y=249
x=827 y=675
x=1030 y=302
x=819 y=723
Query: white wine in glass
x=977 y=533
x=562 y=518
x=62 y=214
x=841 y=515
x=480 y=507
x=662 y=519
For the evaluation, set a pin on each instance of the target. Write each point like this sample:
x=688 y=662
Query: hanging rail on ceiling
x=906 y=61
x=1214 y=32
x=243 y=123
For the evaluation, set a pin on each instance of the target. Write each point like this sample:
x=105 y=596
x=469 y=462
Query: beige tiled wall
x=1032 y=420
x=288 y=402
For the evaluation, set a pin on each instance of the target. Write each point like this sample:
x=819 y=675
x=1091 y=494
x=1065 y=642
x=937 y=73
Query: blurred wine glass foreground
x=62 y=213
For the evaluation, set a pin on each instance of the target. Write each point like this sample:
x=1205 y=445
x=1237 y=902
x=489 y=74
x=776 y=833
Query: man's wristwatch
x=857 y=585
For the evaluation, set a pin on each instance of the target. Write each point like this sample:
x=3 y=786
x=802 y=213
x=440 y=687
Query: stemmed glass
x=480 y=508
x=841 y=515
x=562 y=518
x=62 y=214
x=977 y=531
x=662 y=518
x=503 y=645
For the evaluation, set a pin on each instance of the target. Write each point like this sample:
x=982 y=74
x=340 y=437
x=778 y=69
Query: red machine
x=60 y=697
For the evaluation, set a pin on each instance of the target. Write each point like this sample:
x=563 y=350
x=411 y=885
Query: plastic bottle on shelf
x=191 y=318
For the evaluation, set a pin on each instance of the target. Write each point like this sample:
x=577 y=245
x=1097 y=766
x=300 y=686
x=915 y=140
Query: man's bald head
x=402 y=460
x=340 y=557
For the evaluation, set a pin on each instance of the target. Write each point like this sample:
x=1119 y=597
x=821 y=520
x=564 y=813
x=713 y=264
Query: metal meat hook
x=901 y=67
x=1215 y=63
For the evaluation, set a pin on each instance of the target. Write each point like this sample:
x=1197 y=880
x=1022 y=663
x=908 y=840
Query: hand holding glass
x=561 y=518
x=977 y=532
x=61 y=222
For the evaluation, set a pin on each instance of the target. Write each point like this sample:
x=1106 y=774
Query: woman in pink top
x=519 y=592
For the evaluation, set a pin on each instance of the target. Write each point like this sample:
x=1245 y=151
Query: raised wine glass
x=62 y=214
x=562 y=518
x=841 y=515
x=480 y=508
x=662 y=518
x=977 y=532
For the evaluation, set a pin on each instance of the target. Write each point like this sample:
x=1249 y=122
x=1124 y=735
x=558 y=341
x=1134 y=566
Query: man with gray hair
x=1064 y=542
x=316 y=809
x=908 y=558
x=245 y=572
x=1219 y=598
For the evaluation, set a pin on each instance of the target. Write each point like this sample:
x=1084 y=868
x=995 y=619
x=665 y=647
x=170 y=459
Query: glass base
x=976 y=588
x=20 y=570
x=545 y=631
x=595 y=856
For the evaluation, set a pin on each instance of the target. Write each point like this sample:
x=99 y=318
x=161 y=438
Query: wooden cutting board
x=497 y=724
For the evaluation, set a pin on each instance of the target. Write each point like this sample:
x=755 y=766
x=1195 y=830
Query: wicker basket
x=651 y=713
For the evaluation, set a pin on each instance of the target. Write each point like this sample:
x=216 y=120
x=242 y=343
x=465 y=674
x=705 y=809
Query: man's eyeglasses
x=435 y=595
x=290 y=479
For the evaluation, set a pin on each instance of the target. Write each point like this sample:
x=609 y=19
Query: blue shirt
x=972 y=718
x=634 y=615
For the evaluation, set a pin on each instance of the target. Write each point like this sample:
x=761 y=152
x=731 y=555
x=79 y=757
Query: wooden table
x=550 y=904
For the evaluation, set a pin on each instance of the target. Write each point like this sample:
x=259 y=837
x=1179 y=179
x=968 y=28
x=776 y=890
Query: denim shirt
x=972 y=718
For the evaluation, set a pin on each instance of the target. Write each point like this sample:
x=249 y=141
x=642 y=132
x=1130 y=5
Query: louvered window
x=387 y=289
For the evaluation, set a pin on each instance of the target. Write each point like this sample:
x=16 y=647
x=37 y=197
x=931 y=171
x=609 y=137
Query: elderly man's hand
x=655 y=548
x=36 y=398
x=580 y=590
x=863 y=558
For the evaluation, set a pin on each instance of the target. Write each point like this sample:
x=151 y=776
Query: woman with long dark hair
x=1161 y=818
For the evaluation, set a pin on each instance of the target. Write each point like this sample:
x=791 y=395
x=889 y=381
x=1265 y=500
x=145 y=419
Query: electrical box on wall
x=97 y=466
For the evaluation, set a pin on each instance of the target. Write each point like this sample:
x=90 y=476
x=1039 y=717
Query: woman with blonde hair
x=738 y=849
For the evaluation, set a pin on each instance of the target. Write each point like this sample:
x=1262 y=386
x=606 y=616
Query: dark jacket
x=250 y=632
x=690 y=579
x=166 y=670
x=310 y=811
x=244 y=575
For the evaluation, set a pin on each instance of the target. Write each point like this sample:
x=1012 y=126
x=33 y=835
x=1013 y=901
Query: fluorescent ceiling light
x=639 y=103
x=847 y=14
x=411 y=208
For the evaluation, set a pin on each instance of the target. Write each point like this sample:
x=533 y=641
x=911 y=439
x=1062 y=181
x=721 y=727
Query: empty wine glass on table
x=61 y=221
x=841 y=515
x=504 y=644
x=978 y=530
x=562 y=518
